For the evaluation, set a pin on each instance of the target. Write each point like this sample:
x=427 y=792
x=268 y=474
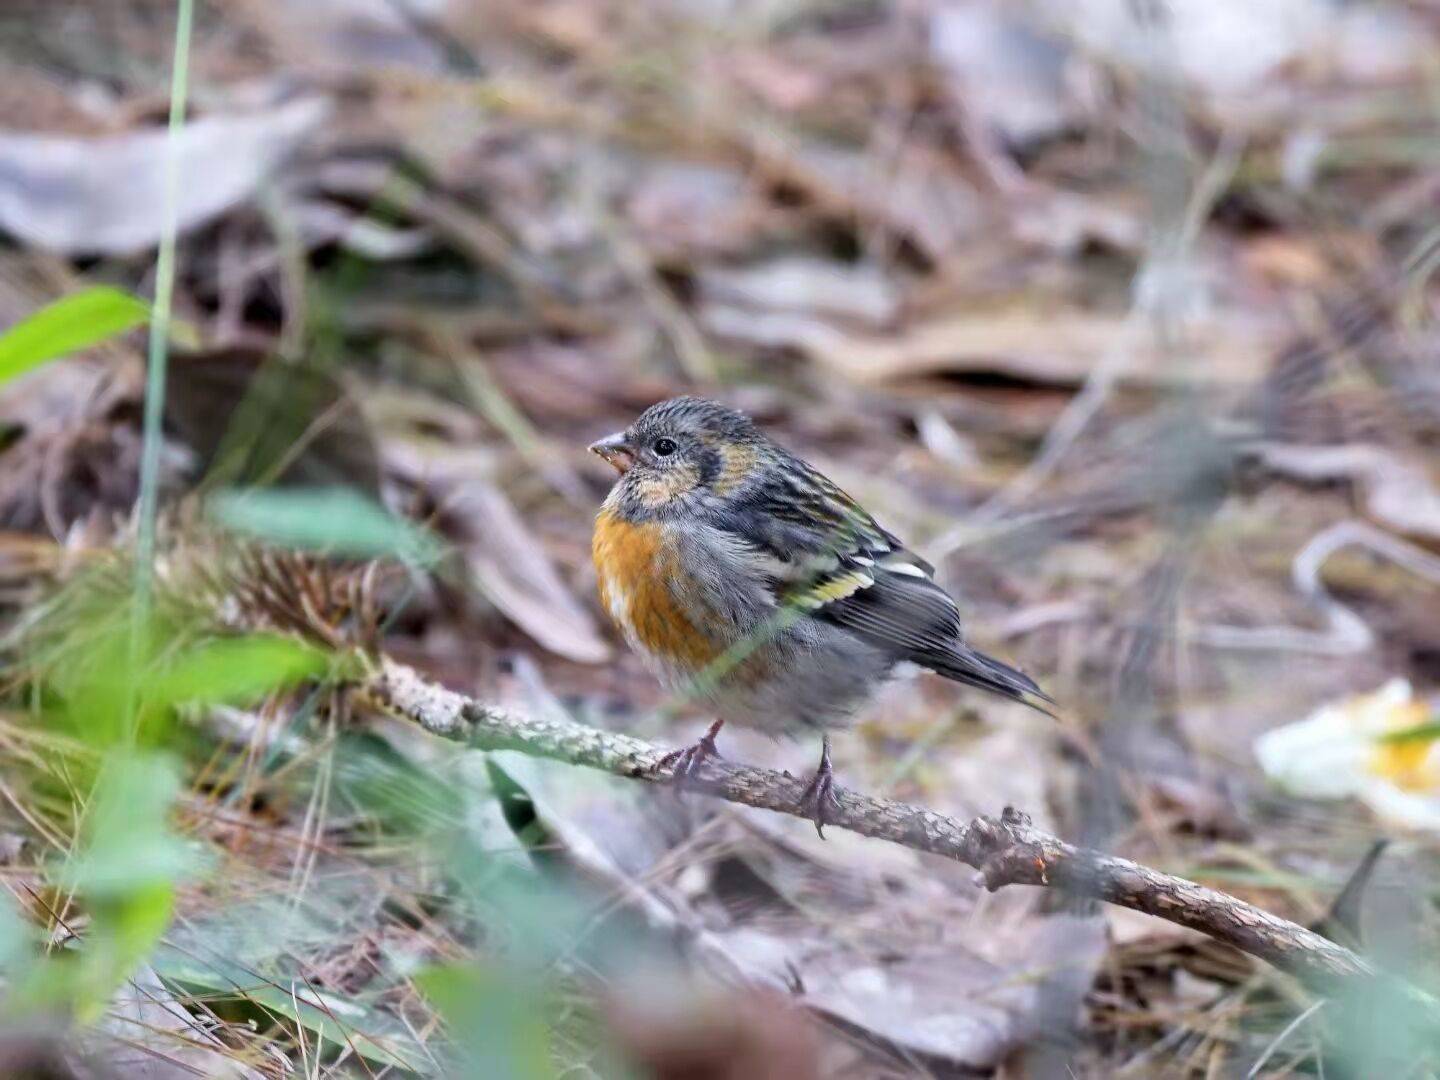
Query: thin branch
x=1007 y=851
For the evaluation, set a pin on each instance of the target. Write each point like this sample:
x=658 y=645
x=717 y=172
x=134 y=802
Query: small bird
x=751 y=583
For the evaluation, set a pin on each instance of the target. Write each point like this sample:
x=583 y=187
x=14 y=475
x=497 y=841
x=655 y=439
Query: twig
x=1347 y=632
x=1007 y=851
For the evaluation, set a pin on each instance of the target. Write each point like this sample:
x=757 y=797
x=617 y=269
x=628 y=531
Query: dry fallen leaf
x=1003 y=71
x=1225 y=50
x=107 y=195
x=148 y=1035
x=506 y=564
x=798 y=283
x=1053 y=347
x=518 y=577
x=1400 y=494
x=914 y=193
x=941 y=1001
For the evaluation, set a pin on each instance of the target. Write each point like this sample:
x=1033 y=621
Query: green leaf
x=73 y=322
x=497 y=1019
x=17 y=938
x=122 y=934
x=129 y=846
x=406 y=799
x=339 y=521
x=342 y=1021
x=126 y=869
x=236 y=670
x=113 y=678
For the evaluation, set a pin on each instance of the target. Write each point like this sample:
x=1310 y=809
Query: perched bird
x=749 y=582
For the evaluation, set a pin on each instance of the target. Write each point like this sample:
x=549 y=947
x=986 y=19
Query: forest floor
x=1126 y=326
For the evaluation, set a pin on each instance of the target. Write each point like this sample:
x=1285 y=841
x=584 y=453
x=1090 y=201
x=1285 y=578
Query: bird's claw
x=687 y=760
x=819 y=797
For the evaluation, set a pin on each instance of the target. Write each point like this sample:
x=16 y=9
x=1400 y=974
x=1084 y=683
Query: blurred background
x=1121 y=313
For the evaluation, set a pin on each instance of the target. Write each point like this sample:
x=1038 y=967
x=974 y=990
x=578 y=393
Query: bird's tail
x=974 y=668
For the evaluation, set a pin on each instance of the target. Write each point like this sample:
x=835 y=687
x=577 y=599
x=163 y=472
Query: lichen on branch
x=1007 y=850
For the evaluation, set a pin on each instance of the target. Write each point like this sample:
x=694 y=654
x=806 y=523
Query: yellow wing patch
x=832 y=589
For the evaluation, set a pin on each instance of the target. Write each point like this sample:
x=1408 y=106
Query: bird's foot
x=819 y=799
x=688 y=759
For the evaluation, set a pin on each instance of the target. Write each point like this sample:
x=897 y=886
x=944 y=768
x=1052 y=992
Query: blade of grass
x=160 y=319
x=149 y=500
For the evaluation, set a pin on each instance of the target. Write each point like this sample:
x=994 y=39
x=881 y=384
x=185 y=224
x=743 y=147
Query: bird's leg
x=688 y=759
x=819 y=797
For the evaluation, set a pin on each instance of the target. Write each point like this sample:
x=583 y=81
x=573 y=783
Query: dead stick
x=1008 y=851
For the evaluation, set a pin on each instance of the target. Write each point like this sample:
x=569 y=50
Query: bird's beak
x=615 y=450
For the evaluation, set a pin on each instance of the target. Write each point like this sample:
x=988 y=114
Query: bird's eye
x=664 y=447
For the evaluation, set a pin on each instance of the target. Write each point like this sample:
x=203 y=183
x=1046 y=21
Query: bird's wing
x=827 y=557
x=887 y=598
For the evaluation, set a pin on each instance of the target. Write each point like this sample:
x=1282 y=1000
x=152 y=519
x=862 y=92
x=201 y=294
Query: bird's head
x=681 y=452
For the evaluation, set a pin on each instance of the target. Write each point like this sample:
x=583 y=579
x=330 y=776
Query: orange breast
x=633 y=563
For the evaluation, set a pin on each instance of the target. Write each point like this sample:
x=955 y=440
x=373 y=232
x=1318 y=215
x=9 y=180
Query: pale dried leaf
x=612 y=826
x=148 y=1035
x=1001 y=70
x=107 y=195
x=1398 y=493
x=352 y=35
x=1054 y=347
x=916 y=193
x=1221 y=48
x=942 y=1001
x=801 y=283
x=518 y=577
x=506 y=564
